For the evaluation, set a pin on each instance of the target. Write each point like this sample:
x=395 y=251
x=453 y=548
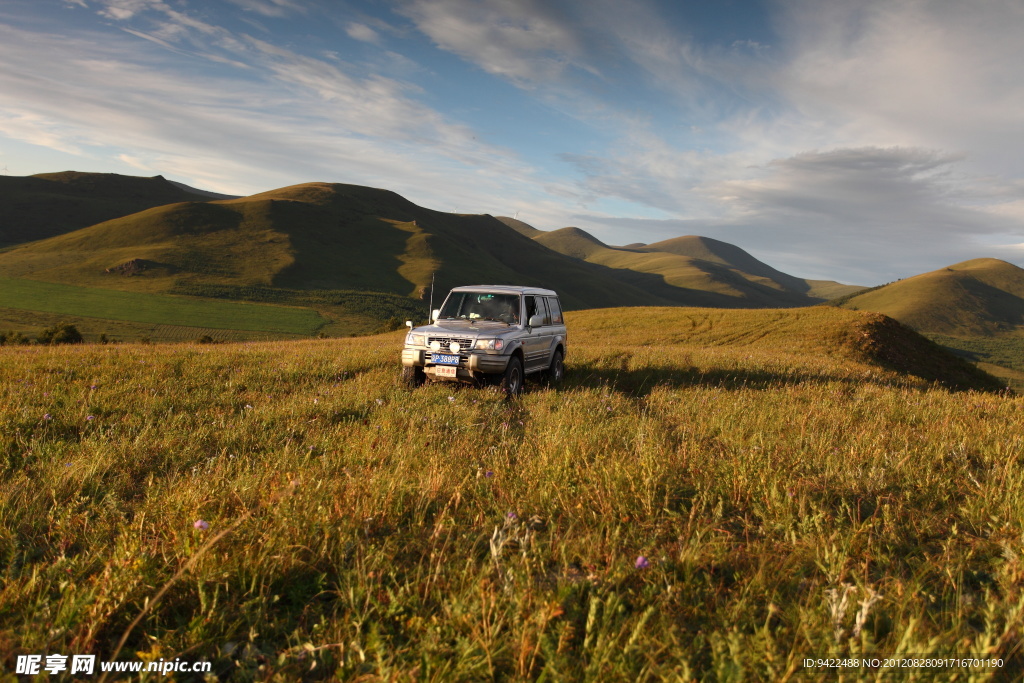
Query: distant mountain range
x=95 y=229
x=696 y=271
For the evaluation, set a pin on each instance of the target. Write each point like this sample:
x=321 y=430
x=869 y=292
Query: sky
x=855 y=141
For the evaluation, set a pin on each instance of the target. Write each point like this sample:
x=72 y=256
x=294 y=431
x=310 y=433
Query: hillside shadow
x=638 y=383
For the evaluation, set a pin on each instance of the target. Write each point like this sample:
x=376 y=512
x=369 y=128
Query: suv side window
x=531 y=308
x=542 y=310
x=556 y=311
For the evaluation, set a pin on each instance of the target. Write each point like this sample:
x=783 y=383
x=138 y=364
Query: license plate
x=444 y=359
x=446 y=371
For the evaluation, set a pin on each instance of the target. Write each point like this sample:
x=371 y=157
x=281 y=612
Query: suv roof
x=508 y=289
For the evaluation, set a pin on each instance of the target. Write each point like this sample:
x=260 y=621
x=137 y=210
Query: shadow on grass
x=640 y=382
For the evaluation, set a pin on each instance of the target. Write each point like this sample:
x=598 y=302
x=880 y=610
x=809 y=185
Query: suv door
x=537 y=345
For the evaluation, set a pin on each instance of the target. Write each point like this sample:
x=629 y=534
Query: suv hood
x=465 y=327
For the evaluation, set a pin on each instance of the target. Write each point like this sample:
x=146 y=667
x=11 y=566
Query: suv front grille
x=464 y=342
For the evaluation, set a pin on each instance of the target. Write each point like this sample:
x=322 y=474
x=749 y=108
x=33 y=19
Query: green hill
x=41 y=206
x=979 y=298
x=311 y=236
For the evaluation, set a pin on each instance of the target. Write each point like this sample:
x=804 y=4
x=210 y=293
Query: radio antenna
x=430 y=311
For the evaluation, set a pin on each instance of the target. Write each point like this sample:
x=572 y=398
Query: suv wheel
x=556 y=373
x=413 y=377
x=512 y=379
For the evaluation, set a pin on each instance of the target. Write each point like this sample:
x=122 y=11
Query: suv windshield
x=481 y=306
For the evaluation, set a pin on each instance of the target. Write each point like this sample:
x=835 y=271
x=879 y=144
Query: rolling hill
x=691 y=270
x=48 y=204
x=314 y=236
x=975 y=308
x=978 y=298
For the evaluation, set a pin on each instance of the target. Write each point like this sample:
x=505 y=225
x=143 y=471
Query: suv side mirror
x=536 y=320
x=436 y=314
x=408 y=323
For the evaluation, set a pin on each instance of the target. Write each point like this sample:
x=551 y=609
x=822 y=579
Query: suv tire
x=556 y=373
x=413 y=377
x=512 y=379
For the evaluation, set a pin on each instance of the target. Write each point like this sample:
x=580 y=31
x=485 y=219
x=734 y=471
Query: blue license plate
x=444 y=359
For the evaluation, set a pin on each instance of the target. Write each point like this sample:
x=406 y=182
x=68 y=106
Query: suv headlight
x=490 y=344
x=415 y=340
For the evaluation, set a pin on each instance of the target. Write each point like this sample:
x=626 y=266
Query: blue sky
x=857 y=141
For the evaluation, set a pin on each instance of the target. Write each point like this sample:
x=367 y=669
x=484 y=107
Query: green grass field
x=714 y=500
x=155 y=308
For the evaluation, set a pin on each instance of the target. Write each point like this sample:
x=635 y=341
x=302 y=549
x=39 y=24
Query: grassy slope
x=761 y=485
x=313 y=236
x=977 y=298
x=48 y=204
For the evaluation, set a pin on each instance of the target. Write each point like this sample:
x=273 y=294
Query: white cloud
x=122 y=10
x=134 y=162
x=362 y=32
x=524 y=40
x=271 y=8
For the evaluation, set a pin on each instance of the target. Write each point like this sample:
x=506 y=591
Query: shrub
x=61 y=333
x=13 y=338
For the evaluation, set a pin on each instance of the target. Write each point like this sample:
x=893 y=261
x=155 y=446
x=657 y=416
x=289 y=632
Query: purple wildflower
x=90 y=417
x=201 y=524
x=512 y=515
x=489 y=474
x=47 y=417
x=642 y=563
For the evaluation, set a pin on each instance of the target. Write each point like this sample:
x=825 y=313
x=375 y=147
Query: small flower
x=512 y=515
x=489 y=474
x=93 y=387
x=90 y=418
x=380 y=401
x=47 y=417
x=642 y=563
x=201 y=524
x=451 y=399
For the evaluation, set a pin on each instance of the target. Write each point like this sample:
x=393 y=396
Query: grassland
x=789 y=497
x=156 y=308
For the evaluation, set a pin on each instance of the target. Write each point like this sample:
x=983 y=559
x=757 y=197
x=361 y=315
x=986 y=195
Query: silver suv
x=490 y=335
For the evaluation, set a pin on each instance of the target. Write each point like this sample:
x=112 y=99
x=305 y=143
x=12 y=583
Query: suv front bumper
x=475 y=362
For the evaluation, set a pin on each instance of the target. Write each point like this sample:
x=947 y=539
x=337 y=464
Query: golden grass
x=448 y=534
